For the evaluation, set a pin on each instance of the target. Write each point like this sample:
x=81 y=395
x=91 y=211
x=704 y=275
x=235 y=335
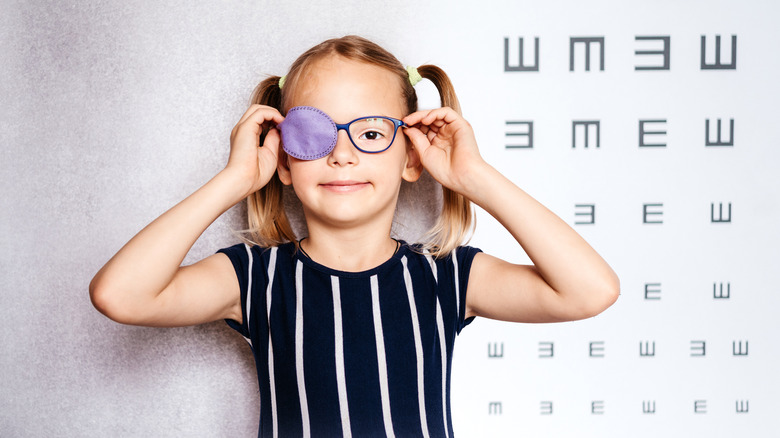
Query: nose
x=344 y=152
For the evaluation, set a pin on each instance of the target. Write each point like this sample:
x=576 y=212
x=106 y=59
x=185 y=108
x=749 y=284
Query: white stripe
x=433 y=265
x=418 y=348
x=248 y=291
x=442 y=344
x=299 y=348
x=381 y=359
x=271 y=378
x=341 y=380
x=443 y=347
x=457 y=287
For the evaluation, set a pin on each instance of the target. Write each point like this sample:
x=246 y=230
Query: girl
x=352 y=330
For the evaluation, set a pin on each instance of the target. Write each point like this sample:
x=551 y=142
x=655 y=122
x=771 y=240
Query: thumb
x=272 y=141
x=419 y=140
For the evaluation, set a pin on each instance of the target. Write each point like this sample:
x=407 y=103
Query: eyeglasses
x=309 y=134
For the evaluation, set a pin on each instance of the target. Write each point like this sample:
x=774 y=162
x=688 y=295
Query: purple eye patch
x=308 y=133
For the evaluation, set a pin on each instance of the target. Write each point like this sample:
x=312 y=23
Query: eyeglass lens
x=372 y=134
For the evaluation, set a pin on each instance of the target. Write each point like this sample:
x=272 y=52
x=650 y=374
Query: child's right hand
x=251 y=162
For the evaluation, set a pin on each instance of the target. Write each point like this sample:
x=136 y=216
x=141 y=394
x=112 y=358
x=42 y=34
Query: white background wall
x=114 y=111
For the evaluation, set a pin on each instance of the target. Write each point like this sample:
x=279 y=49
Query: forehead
x=346 y=89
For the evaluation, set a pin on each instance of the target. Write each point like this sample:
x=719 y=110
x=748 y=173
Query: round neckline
x=298 y=254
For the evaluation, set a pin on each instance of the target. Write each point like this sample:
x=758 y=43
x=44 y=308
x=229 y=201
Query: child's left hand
x=446 y=145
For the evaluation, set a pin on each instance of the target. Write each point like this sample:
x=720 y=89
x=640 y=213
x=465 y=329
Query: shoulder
x=248 y=260
x=451 y=274
x=463 y=254
x=454 y=266
x=248 y=251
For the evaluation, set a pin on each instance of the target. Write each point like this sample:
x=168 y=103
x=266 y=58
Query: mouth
x=344 y=186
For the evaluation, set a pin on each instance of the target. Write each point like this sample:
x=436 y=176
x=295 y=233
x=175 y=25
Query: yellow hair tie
x=281 y=81
x=414 y=75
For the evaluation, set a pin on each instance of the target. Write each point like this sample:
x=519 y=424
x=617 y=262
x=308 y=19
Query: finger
x=438 y=124
x=248 y=113
x=253 y=124
x=258 y=115
x=252 y=108
x=415 y=117
x=444 y=115
x=418 y=139
x=272 y=141
x=269 y=152
x=265 y=114
x=424 y=129
x=269 y=113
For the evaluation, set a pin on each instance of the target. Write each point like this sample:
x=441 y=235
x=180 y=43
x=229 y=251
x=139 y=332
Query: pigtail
x=443 y=84
x=456 y=221
x=267 y=219
x=268 y=93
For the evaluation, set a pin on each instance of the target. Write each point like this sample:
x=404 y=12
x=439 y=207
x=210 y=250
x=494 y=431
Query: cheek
x=390 y=162
x=301 y=172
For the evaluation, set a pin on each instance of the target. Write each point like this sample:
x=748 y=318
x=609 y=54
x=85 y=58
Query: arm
x=568 y=279
x=143 y=284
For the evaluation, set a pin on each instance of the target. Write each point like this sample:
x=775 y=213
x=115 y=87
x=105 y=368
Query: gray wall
x=111 y=113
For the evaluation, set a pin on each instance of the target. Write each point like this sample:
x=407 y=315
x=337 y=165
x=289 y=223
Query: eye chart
x=653 y=136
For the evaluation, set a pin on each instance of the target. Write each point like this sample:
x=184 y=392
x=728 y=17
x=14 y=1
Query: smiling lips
x=344 y=186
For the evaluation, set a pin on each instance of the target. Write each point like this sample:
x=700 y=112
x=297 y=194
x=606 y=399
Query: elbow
x=611 y=293
x=101 y=297
x=591 y=299
x=106 y=300
x=602 y=297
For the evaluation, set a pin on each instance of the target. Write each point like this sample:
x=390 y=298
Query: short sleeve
x=462 y=258
x=241 y=256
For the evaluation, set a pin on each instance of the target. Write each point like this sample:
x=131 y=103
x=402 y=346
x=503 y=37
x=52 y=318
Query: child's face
x=348 y=187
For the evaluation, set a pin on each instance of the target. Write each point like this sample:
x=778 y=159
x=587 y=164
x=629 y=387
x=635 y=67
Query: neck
x=350 y=250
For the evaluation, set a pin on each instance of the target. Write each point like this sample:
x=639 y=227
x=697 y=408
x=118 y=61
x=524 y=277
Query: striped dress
x=358 y=354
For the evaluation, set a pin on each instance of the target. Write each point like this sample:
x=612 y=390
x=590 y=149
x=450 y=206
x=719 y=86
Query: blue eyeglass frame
x=396 y=124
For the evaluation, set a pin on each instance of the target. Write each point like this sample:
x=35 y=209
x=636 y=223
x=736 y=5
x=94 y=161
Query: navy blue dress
x=352 y=353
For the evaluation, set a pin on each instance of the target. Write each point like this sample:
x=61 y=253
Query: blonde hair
x=268 y=222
